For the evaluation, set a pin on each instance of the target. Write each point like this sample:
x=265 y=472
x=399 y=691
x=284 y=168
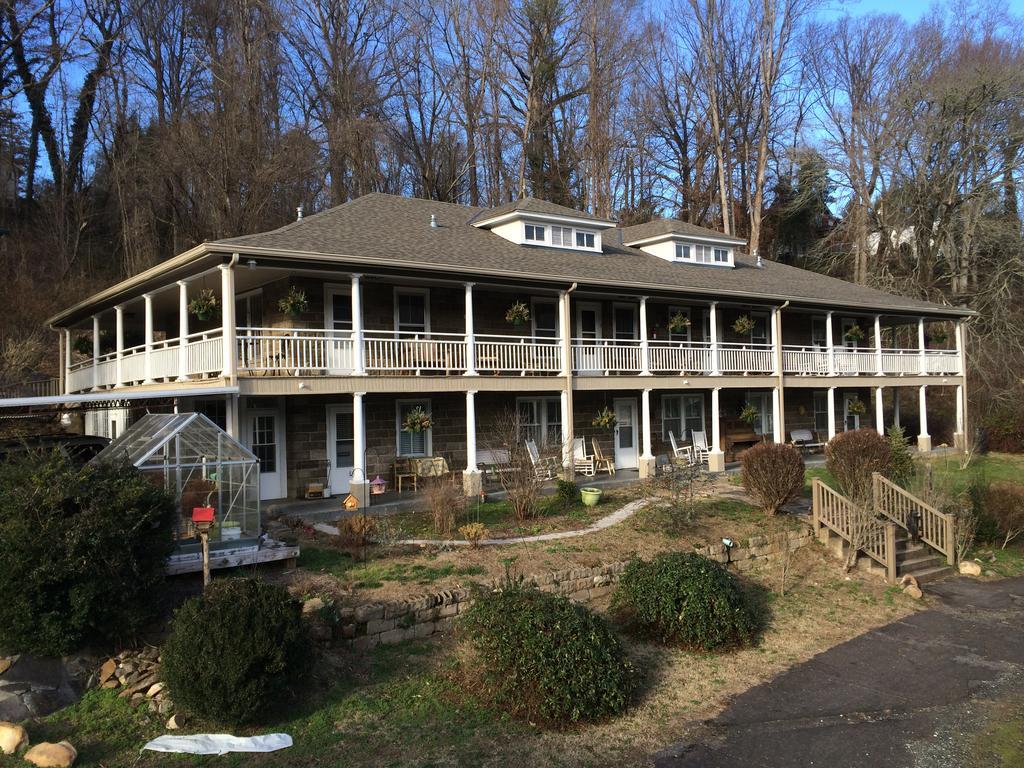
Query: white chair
x=545 y=468
x=582 y=463
x=681 y=453
x=601 y=461
x=700 y=445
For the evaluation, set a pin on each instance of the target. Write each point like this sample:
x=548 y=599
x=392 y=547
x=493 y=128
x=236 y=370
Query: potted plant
x=82 y=345
x=204 y=306
x=293 y=303
x=416 y=420
x=857 y=407
x=678 y=323
x=750 y=415
x=743 y=325
x=938 y=336
x=605 y=419
x=590 y=496
x=854 y=333
x=518 y=314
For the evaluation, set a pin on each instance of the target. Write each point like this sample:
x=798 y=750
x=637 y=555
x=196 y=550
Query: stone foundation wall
x=366 y=626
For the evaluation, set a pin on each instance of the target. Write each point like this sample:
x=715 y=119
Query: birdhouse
x=350 y=503
x=378 y=485
x=202 y=515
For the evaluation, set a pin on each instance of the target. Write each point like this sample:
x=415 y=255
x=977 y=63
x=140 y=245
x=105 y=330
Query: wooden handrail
x=831 y=509
x=937 y=528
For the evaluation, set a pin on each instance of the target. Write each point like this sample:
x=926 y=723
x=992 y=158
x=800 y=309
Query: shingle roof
x=396 y=231
x=533 y=205
x=661 y=227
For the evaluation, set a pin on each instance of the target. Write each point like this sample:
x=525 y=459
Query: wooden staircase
x=882 y=533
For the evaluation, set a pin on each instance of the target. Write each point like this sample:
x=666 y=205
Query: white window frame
x=423 y=402
x=676 y=335
x=527 y=226
x=543 y=407
x=563 y=234
x=425 y=293
x=820 y=408
x=683 y=433
x=766 y=317
x=243 y=309
x=763 y=400
x=819 y=331
x=684 y=252
x=585 y=234
x=635 y=309
x=534 y=303
x=724 y=252
x=337 y=289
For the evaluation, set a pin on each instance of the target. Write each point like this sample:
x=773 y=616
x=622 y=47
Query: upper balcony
x=386 y=328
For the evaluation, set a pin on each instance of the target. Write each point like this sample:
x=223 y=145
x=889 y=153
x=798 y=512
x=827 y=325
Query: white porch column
x=147 y=360
x=67 y=361
x=359 y=486
x=921 y=348
x=227 y=318
x=924 y=440
x=358 y=344
x=777 y=434
x=896 y=406
x=470 y=337
x=830 y=344
x=879 y=412
x=564 y=328
x=471 y=480
x=232 y=420
x=831 y=412
x=645 y=346
x=647 y=461
x=961 y=352
x=182 y=330
x=713 y=330
x=567 y=461
x=95 y=352
x=960 y=437
x=776 y=320
x=716 y=457
x=119 y=344
x=878 y=346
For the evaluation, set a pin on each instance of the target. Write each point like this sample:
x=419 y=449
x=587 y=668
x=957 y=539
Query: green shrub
x=566 y=494
x=901 y=462
x=773 y=474
x=851 y=457
x=235 y=650
x=546 y=659
x=688 y=600
x=83 y=553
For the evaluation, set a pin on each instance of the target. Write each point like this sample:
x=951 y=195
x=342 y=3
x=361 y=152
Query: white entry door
x=851 y=421
x=340 y=448
x=265 y=435
x=626 y=434
x=339 y=348
x=588 y=328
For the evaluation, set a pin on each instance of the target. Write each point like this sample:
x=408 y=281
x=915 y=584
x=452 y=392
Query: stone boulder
x=913 y=591
x=970 y=568
x=47 y=755
x=12 y=738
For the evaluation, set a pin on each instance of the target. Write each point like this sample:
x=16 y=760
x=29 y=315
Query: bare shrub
x=684 y=484
x=773 y=473
x=445 y=502
x=356 y=532
x=852 y=457
x=474 y=533
x=519 y=478
x=941 y=491
x=1004 y=503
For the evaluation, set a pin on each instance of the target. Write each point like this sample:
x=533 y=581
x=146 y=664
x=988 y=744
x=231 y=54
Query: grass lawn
x=400 y=706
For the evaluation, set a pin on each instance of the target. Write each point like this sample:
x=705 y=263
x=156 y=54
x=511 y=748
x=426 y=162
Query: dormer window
x=561 y=236
x=584 y=239
x=682 y=252
x=721 y=256
x=535 y=233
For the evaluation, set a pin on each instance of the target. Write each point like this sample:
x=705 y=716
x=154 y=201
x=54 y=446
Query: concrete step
x=919 y=563
x=932 y=574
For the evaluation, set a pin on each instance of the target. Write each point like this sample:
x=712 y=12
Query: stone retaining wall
x=372 y=624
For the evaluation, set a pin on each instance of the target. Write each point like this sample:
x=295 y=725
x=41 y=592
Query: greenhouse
x=202 y=466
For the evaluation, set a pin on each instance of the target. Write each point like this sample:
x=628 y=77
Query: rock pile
x=137 y=675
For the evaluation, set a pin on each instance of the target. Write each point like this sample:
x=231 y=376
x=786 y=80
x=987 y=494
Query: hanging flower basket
x=416 y=421
x=204 y=306
x=82 y=345
x=857 y=407
x=605 y=419
x=678 y=323
x=854 y=333
x=743 y=325
x=750 y=414
x=939 y=336
x=294 y=303
x=518 y=314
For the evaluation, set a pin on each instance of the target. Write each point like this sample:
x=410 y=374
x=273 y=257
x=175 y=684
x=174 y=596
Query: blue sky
x=911 y=10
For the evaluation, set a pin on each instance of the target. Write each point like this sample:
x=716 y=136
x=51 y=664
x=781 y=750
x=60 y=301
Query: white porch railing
x=805 y=361
x=606 y=356
x=435 y=352
x=518 y=354
x=680 y=357
x=283 y=350
x=205 y=354
x=901 y=361
x=942 y=361
x=745 y=358
x=814 y=361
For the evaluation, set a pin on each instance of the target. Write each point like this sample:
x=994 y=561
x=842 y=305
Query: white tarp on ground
x=219 y=743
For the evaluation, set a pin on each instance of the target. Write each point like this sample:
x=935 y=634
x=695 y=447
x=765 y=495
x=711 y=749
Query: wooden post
x=950 y=540
x=204 y=537
x=876 y=490
x=890 y=552
x=815 y=504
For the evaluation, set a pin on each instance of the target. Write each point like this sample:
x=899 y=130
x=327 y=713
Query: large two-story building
x=407 y=304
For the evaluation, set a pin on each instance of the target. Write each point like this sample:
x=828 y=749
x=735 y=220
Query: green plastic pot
x=590 y=496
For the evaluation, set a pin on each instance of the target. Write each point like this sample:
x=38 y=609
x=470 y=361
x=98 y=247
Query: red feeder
x=203 y=514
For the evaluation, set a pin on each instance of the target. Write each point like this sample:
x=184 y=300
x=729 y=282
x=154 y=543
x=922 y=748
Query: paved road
x=913 y=693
